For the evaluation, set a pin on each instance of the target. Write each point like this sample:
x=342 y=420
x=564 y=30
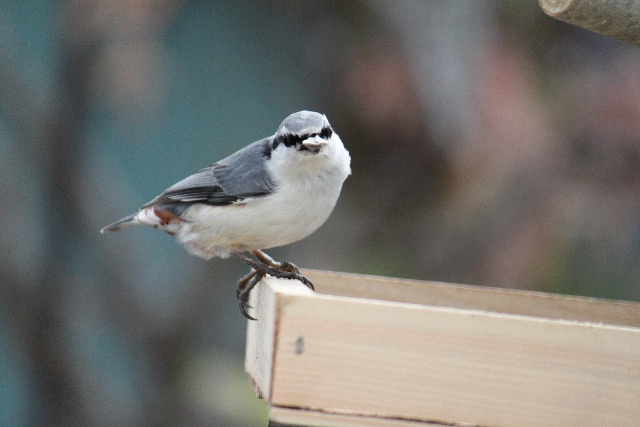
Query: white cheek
x=288 y=165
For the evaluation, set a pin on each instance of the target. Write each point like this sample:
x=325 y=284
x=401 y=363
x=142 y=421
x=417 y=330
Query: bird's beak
x=314 y=144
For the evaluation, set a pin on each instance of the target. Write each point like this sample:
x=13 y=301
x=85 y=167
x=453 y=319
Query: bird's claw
x=286 y=266
x=243 y=309
x=245 y=285
x=306 y=282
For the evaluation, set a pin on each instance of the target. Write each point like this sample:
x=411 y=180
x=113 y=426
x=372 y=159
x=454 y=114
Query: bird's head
x=306 y=146
x=305 y=131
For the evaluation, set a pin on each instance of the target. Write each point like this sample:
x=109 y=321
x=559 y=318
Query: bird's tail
x=121 y=223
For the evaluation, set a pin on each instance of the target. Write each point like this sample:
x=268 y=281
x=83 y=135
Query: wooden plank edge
x=280 y=416
x=484 y=298
x=280 y=293
x=261 y=342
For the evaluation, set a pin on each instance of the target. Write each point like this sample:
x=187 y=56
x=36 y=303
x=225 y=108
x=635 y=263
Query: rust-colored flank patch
x=166 y=216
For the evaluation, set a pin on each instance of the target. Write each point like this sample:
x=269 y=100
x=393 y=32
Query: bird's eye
x=326 y=132
x=290 y=140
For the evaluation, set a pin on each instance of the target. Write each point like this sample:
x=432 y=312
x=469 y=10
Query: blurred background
x=491 y=145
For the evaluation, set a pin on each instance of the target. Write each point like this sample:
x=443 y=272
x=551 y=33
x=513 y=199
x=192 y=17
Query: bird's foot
x=288 y=273
x=290 y=270
x=263 y=267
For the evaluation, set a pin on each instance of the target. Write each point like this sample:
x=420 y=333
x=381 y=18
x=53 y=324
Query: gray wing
x=240 y=176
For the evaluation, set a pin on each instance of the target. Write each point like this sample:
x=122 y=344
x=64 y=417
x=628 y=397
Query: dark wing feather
x=239 y=176
x=244 y=173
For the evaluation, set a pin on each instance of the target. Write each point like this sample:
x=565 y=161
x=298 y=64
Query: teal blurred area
x=491 y=145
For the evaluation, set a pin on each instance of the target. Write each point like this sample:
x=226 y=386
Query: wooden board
x=386 y=352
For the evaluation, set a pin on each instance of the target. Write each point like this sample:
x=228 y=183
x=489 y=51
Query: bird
x=273 y=192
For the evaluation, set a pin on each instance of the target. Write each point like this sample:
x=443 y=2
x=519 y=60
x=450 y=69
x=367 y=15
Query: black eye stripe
x=287 y=140
x=290 y=140
x=326 y=132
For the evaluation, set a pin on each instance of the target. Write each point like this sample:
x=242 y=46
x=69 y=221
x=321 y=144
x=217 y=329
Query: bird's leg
x=266 y=259
x=273 y=271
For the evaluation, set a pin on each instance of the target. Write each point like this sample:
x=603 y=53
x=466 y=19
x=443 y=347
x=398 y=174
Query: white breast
x=307 y=189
